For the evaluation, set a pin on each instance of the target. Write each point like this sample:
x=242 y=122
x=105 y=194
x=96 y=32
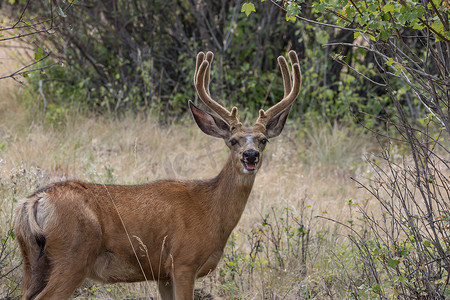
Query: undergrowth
x=308 y=232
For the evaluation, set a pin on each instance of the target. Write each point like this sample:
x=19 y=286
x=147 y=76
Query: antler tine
x=294 y=60
x=285 y=73
x=293 y=57
x=201 y=80
x=209 y=59
x=198 y=62
x=292 y=93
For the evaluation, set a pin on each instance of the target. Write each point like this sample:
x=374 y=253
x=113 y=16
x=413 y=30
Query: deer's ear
x=208 y=123
x=276 y=124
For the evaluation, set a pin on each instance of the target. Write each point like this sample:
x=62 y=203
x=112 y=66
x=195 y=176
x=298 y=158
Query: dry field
x=306 y=172
x=279 y=250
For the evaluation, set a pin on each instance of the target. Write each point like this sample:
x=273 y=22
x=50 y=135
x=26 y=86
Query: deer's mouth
x=250 y=166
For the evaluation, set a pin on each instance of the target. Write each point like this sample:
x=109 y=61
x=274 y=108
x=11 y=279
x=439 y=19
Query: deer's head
x=246 y=143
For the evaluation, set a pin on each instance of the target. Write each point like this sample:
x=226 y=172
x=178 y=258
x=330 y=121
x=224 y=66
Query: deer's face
x=247 y=147
x=246 y=144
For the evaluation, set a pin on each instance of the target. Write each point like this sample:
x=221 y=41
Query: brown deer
x=168 y=231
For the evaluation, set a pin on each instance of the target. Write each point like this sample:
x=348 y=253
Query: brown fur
x=86 y=238
x=169 y=231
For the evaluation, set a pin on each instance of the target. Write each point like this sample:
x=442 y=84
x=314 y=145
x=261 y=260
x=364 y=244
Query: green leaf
x=420 y=11
x=389 y=62
x=248 y=8
x=376 y=288
x=399 y=67
x=404 y=253
x=436 y=3
x=384 y=34
x=39 y=54
x=319 y=7
x=388 y=8
x=293 y=9
x=60 y=12
x=439 y=28
x=427 y=243
x=401 y=279
x=290 y=18
x=416 y=25
x=393 y=263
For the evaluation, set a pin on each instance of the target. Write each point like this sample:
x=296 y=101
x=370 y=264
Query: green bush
x=131 y=56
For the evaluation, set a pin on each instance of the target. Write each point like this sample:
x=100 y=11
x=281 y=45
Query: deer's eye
x=233 y=142
x=264 y=141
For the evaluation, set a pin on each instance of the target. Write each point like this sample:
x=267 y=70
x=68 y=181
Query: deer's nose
x=251 y=156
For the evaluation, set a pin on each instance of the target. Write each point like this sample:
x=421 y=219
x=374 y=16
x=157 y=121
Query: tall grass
x=279 y=249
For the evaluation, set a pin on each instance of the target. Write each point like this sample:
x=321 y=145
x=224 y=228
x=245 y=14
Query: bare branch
x=21 y=15
x=24 y=35
x=359 y=73
x=22 y=70
x=318 y=23
x=26 y=26
x=386 y=58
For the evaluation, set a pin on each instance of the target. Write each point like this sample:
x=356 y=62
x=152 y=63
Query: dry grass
x=136 y=149
x=306 y=173
x=309 y=174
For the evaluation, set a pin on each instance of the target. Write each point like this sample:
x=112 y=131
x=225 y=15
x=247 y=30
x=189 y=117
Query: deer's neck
x=231 y=192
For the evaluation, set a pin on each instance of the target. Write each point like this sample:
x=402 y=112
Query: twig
x=318 y=23
x=42 y=94
x=25 y=26
x=424 y=22
x=386 y=57
x=26 y=34
x=21 y=15
x=27 y=71
x=20 y=71
x=359 y=73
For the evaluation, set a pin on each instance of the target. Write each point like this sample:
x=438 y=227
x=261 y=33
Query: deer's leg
x=26 y=267
x=165 y=288
x=38 y=275
x=63 y=281
x=71 y=257
x=36 y=270
x=69 y=268
x=184 y=282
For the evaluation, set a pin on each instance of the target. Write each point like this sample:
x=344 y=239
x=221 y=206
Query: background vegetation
x=122 y=56
x=353 y=201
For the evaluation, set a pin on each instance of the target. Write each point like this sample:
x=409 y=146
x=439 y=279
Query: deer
x=167 y=231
